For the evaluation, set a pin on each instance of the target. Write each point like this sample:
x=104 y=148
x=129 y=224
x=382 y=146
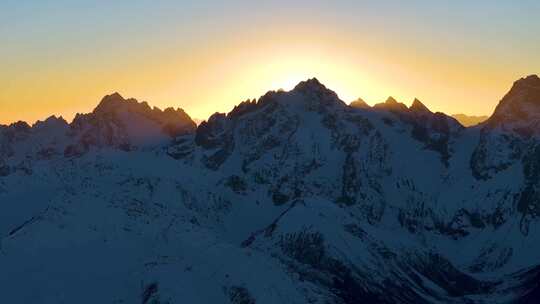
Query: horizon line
x=370 y=104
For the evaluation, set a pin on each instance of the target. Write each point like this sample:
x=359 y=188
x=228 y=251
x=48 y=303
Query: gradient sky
x=61 y=57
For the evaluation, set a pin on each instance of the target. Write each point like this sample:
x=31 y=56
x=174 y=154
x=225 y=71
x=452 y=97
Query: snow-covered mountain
x=294 y=198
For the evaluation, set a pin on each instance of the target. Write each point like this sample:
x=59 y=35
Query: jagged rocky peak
x=15 y=131
x=54 y=119
x=527 y=89
x=312 y=84
x=520 y=106
x=175 y=121
x=392 y=104
x=207 y=134
x=307 y=95
x=506 y=135
x=359 y=103
x=529 y=81
x=418 y=107
x=242 y=108
x=316 y=92
x=19 y=126
x=522 y=97
x=110 y=103
x=51 y=122
x=127 y=124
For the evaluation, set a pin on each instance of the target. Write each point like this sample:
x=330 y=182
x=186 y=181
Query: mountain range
x=295 y=197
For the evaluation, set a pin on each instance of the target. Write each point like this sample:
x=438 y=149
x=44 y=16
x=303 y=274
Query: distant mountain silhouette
x=359 y=103
x=392 y=105
x=469 y=120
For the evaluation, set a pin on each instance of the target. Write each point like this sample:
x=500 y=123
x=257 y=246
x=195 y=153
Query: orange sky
x=53 y=63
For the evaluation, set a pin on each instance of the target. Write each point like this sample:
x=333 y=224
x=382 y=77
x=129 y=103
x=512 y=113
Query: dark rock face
x=149 y=293
x=237 y=184
x=208 y=133
x=528 y=201
x=530 y=285
x=215 y=135
x=440 y=271
x=351 y=184
x=435 y=131
x=5 y=170
x=240 y=295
